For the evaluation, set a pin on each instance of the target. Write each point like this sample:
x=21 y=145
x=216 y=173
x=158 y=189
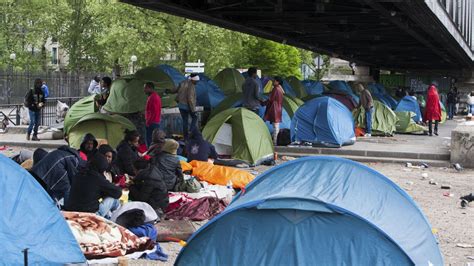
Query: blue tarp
x=175 y=75
x=313 y=87
x=324 y=121
x=30 y=219
x=341 y=85
x=410 y=104
x=208 y=94
x=316 y=211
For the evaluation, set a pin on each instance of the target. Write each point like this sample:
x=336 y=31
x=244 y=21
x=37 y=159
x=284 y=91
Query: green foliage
x=103 y=35
x=274 y=58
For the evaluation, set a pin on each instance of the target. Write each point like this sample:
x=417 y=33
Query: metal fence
x=15 y=84
x=48 y=113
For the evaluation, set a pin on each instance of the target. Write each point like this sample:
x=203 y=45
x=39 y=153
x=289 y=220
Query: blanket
x=198 y=209
x=100 y=238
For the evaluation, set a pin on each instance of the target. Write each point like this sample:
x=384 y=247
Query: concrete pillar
x=462 y=145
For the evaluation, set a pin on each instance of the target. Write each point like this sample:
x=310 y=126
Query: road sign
x=194 y=64
x=194 y=69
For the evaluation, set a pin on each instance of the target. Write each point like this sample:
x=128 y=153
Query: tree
x=274 y=58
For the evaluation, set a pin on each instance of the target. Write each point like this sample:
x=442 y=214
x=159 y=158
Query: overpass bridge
x=406 y=35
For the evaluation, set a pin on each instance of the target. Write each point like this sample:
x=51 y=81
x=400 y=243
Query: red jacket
x=274 y=105
x=153 y=109
x=433 y=107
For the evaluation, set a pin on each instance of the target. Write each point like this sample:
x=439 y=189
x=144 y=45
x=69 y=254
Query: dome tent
x=244 y=134
x=208 y=94
x=229 y=80
x=159 y=77
x=31 y=220
x=233 y=101
x=297 y=86
x=384 y=120
x=326 y=210
x=79 y=109
x=126 y=97
x=102 y=126
x=410 y=104
x=313 y=87
x=173 y=73
x=406 y=125
x=340 y=85
x=323 y=121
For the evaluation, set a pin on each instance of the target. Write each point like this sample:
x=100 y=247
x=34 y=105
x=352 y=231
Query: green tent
x=405 y=124
x=229 y=80
x=290 y=105
x=102 y=126
x=126 y=96
x=228 y=102
x=384 y=120
x=79 y=109
x=241 y=134
x=297 y=86
x=154 y=74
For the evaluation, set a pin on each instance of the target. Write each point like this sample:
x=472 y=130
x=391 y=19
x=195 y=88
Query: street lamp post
x=133 y=58
x=10 y=77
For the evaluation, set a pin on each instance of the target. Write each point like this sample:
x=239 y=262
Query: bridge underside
x=387 y=34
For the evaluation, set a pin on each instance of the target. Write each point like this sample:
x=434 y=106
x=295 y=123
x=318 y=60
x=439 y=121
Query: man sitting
x=90 y=185
x=88 y=146
x=197 y=148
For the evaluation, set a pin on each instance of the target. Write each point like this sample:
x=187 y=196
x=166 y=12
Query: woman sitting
x=168 y=163
x=127 y=152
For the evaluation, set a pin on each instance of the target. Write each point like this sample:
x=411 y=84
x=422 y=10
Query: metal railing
x=48 y=113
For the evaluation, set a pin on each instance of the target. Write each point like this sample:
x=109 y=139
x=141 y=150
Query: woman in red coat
x=433 y=109
x=274 y=107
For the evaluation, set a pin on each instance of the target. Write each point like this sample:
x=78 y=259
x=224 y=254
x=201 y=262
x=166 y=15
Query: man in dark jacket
x=34 y=101
x=197 y=148
x=168 y=164
x=250 y=93
x=88 y=146
x=90 y=185
x=149 y=186
x=452 y=100
x=57 y=169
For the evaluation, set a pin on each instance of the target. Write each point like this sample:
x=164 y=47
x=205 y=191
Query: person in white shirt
x=94 y=86
x=470 y=101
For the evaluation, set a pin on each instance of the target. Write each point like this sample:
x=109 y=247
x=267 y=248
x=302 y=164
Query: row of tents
x=326 y=210
x=321 y=114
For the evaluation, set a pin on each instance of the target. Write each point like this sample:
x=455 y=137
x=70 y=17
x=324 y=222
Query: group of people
x=91 y=178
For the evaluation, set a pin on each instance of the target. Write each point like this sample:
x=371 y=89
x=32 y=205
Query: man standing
x=34 y=101
x=94 y=86
x=152 y=111
x=186 y=99
x=250 y=93
x=367 y=103
x=452 y=98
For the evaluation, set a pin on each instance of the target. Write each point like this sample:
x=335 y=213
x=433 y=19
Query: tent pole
x=25 y=257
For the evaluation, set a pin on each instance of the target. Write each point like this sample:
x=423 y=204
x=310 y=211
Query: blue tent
x=378 y=92
x=410 y=104
x=313 y=87
x=341 y=85
x=208 y=94
x=203 y=77
x=288 y=89
x=175 y=75
x=30 y=220
x=323 y=121
x=316 y=211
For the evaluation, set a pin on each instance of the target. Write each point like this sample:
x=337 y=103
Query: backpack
x=284 y=137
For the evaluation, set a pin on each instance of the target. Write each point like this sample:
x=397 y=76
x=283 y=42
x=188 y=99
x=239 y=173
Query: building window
x=54 y=56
